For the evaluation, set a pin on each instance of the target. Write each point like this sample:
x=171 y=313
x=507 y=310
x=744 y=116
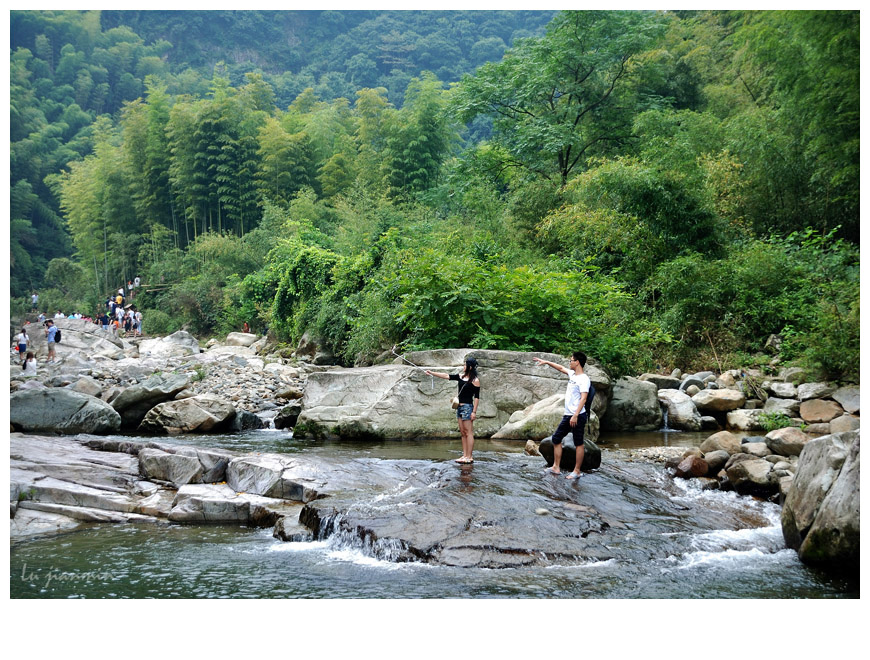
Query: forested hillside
x=657 y=188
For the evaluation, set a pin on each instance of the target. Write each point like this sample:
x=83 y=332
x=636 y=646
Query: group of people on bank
x=573 y=420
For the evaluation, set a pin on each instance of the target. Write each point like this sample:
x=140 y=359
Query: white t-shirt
x=22 y=338
x=577 y=384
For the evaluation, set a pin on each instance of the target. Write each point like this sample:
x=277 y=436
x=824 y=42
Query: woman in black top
x=466 y=413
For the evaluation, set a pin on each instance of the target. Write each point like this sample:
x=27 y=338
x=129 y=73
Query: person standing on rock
x=574 y=418
x=22 y=339
x=466 y=413
x=50 y=333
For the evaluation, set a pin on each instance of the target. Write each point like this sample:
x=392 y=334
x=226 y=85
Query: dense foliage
x=659 y=189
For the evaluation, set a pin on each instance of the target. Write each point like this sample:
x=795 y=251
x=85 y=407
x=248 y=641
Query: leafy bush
x=771 y=421
x=158 y=322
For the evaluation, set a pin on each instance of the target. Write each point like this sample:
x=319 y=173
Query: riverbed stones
x=178 y=470
x=196 y=414
x=537 y=421
x=716 y=460
x=821 y=514
x=634 y=406
x=62 y=410
x=723 y=440
x=681 y=410
x=817 y=411
x=240 y=339
x=781 y=390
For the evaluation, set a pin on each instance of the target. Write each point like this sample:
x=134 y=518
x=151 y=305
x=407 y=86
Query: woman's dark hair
x=470 y=369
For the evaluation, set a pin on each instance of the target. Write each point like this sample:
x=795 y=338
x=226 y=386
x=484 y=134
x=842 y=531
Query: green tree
x=561 y=99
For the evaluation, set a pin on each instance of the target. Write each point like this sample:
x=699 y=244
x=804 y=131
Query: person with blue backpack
x=576 y=413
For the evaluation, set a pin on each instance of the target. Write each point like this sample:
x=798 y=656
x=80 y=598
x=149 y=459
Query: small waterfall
x=665 y=428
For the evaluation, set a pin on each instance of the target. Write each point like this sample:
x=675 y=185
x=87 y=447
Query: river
x=682 y=542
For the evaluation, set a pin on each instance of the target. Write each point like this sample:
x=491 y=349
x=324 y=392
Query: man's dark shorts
x=564 y=429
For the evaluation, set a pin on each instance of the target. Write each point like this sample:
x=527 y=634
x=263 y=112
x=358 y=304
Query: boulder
x=397 y=401
x=539 y=420
x=789 y=407
x=135 y=401
x=178 y=344
x=789 y=441
x=87 y=385
x=808 y=391
x=716 y=460
x=240 y=339
x=62 y=410
x=821 y=514
x=81 y=340
x=819 y=429
x=792 y=374
x=845 y=423
x=744 y=420
x=711 y=401
x=591 y=457
x=752 y=477
x=681 y=411
x=723 y=440
x=174 y=468
x=634 y=407
x=197 y=414
x=692 y=466
x=819 y=411
x=287 y=416
x=759 y=449
x=245 y=421
x=782 y=390
x=849 y=397
x=662 y=382
x=691 y=381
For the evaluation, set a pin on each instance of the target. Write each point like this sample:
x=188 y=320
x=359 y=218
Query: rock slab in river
x=62 y=410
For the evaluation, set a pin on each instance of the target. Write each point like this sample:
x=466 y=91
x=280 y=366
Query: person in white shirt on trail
x=574 y=419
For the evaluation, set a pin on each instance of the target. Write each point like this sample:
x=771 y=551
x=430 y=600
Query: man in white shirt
x=574 y=419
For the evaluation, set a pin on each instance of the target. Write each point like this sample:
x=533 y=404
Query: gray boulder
x=634 y=407
x=744 y=420
x=135 y=401
x=789 y=407
x=753 y=477
x=196 y=414
x=662 y=382
x=808 y=391
x=821 y=514
x=178 y=470
x=540 y=419
x=713 y=401
x=62 y=410
x=782 y=390
x=723 y=440
x=681 y=410
x=80 y=340
x=398 y=401
x=241 y=339
x=844 y=423
x=178 y=344
x=789 y=441
x=849 y=397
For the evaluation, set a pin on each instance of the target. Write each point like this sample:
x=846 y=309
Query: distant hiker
x=29 y=364
x=136 y=282
x=246 y=328
x=34 y=301
x=469 y=399
x=575 y=415
x=59 y=315
x=138 y=323
x=50 y=334
x=22 y=340
x=41 y=317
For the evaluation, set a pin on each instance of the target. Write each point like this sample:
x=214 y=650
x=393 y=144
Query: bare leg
x=557 y=458
x=461 y=459
x=581 y=452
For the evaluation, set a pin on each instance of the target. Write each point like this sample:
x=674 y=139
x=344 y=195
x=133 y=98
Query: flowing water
x=683 y=543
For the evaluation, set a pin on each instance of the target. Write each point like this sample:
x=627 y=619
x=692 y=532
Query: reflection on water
x=677 y=541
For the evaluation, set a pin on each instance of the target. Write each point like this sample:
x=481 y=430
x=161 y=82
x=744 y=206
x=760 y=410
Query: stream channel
x=656 y=537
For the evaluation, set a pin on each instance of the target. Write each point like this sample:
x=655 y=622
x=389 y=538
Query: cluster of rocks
x=103 y=384
x=753 y=465
x=736 y=400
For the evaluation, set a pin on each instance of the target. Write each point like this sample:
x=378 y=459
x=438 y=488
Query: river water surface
x=683 y=543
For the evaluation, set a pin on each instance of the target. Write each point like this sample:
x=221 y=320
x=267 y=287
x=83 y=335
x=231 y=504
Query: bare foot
x=553 y=471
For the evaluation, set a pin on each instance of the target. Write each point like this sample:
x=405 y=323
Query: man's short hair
x=580 y=357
